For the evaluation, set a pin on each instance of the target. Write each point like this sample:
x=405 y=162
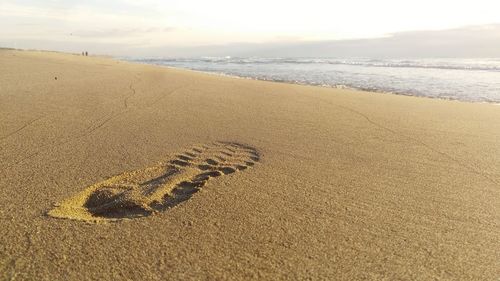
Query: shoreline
x=375 y=91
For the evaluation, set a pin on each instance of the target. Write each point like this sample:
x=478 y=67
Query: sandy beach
x=119 y=171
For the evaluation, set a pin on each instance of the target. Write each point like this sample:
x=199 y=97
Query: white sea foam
x=459 y=79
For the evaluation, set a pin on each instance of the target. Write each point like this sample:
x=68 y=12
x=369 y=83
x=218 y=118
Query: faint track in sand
x=417 y=141
x=96 y=125
x=26 y=125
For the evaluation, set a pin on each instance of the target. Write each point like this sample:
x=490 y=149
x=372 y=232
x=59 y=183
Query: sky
x=133 y=27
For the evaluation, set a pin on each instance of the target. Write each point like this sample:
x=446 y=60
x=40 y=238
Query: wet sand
x=117 y=170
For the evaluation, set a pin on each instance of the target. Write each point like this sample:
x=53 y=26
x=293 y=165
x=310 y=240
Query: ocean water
x=476 y=80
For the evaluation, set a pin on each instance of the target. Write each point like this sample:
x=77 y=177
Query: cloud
x=116 y=32
x=70 y=21
x=217 y=26
x=471 y=41
x=70 y=15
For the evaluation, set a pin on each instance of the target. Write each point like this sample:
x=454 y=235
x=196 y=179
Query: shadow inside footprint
x=115 y=203
x=212 y=162
x=227 y=170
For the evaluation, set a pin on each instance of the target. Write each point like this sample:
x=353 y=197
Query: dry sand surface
x=117 y=171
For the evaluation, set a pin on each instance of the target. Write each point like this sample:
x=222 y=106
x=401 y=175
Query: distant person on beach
x=86 y=54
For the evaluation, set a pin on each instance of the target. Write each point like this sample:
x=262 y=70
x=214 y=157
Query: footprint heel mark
x=154 y=189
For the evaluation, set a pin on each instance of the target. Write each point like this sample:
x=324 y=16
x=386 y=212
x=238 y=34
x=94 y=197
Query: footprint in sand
x=154 y=189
